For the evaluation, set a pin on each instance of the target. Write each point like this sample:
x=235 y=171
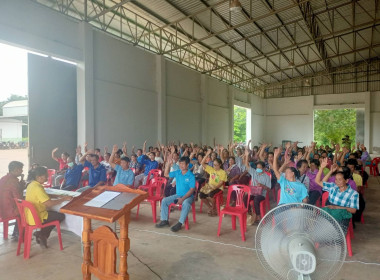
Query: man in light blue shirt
x=185 y=187
x=124 y=175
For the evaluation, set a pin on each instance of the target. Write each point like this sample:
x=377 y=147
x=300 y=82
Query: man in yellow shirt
x=35 y=193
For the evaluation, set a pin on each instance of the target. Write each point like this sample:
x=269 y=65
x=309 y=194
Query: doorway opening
x=14 y=138
x=242 y=124
x=340 y=126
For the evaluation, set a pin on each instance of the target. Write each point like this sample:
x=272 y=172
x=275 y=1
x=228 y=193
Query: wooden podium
x=105 y=241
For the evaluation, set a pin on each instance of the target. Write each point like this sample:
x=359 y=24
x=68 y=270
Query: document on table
x=102 y=199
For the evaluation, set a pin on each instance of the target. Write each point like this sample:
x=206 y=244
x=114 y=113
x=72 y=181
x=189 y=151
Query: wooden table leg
x=86 y=249
x=124 y=245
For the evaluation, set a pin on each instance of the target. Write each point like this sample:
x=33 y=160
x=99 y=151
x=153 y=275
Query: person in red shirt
x=97 y=152
x=11 y=188
x=62 y=166
x=62 y=160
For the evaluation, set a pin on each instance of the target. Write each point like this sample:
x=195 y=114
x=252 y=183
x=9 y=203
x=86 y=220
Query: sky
x=13 y=71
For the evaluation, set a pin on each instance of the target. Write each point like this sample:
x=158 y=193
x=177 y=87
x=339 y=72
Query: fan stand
x=303 y=277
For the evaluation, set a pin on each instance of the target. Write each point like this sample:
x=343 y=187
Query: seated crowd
x=301 y=174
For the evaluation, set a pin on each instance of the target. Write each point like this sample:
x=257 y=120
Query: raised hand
x=334 y=167
x=287 y=145
x=55 y=150
x=115 y=148
x=277 y=152
x=324 y=163
x=209 y=151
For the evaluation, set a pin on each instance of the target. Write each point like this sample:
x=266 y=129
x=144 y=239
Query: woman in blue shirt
x=292 y=191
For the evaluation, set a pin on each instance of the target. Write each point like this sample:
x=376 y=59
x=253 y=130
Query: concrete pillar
x=85 y=88
x=367 y=121
x=360 y=125
x=161 y=98
x=230 y=113
x=204 y=112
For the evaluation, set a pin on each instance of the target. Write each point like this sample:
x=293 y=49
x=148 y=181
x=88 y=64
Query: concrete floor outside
x=194 y=254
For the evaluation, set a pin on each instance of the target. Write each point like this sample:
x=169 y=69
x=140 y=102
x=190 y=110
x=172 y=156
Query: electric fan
x=300 y=241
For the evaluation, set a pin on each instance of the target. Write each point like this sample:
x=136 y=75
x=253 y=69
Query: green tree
x=13 y=97
x=240 y=124
x=332 y=125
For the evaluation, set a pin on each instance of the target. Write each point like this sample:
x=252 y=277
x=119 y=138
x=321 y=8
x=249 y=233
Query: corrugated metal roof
x=300 y=33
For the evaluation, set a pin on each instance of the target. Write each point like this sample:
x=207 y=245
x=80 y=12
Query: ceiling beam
x=110 y=9
x=308 y=43
x=316 y=61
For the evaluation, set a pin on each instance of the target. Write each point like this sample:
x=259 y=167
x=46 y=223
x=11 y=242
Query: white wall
x=11 y=129
x=183 y=106
x=289 y=119
x=218 y=112
x=125 y=100
x=35 y=27
x=15 y=111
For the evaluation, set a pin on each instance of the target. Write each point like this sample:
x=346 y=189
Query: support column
x=161 y=98
x=85 y=88
x=367 y=121
x=204 y=112
x=230 y=113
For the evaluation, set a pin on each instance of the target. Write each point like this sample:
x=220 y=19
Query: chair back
x=51 y=173
x=325 y=197
x=154 y=173
x=156 y=186
x=243 y=192
x=23 y=206
x=133 y=170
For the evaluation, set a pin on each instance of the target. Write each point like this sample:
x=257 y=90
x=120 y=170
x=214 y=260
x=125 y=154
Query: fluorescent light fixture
x=39 y=54
x=235 y=6
x=64 y=60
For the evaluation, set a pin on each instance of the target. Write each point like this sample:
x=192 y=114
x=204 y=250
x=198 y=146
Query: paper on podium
x=102 y=199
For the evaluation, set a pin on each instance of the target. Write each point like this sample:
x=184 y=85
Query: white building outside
x=10 y=123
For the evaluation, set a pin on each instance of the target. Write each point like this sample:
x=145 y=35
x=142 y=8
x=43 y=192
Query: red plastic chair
x=155 y=191
x=262 y=205
x=218 y=201
x=350 y=231
x=239 y=210
x=373 y=166
x=154 y=173
x=266 y=201
x=25 y=234
x=179 y=206
x=6 y=224
x=49 y=183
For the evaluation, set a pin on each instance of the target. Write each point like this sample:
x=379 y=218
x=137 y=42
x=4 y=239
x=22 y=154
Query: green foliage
x=240 y=124
x=332 y=126
x=13 y=97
